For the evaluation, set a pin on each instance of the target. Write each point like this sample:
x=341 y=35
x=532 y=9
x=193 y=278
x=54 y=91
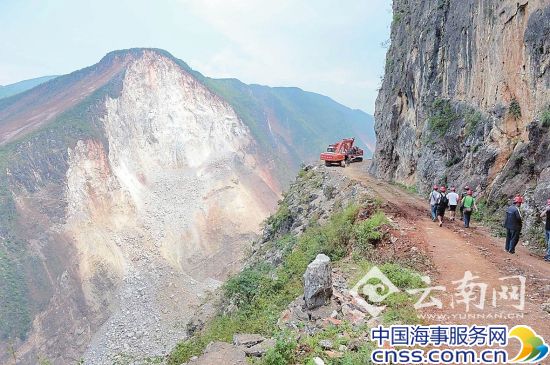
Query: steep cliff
x=466 y=98
x=128 y=191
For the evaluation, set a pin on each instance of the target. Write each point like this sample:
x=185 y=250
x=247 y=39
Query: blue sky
x=333 y=48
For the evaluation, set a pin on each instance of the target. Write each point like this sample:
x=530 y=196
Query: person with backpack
x=546 y=213
x=442 y=204
x=513 y=224
x=468 y=205
x=453 y=202
x=434 y=197
x=462 y=196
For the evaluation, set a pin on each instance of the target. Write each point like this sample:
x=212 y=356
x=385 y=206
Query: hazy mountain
x=19 y=87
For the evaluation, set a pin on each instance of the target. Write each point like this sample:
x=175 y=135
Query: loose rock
x=318 y=282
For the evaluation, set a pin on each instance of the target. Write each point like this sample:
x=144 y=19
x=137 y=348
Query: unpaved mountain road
x=455 y=250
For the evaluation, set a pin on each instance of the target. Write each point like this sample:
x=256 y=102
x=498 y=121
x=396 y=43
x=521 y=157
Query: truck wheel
x=327 y=164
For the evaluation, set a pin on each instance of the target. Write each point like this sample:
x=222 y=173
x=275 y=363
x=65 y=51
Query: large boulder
x=318 y=282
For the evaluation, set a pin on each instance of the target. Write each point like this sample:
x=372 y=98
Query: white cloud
x=294 y=43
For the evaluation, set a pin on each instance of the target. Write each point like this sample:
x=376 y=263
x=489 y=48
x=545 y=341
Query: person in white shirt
x=453 y=202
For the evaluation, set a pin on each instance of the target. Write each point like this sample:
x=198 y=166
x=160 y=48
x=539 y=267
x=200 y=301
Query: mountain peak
x=134 y=53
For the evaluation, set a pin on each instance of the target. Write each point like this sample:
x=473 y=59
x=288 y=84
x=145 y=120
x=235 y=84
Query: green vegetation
x=280 y=218
x=545 y=117
x=368 y=231
x=261 y=292
x=397 y=16
x=472 y=119
x=409 y=188
x=442 y=115
x=283 y=353
x=452 y=161
x=15 y=318
x=15 y=309
x=514 y=109
x=491 y=215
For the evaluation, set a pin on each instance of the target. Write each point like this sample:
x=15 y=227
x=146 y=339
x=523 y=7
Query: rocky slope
x=295 y=288
x=128 y=192
x=466 y=98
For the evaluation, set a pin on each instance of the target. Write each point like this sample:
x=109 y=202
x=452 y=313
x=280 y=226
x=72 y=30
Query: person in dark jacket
x=442 y=204
x=513 y=224
x=546 y=214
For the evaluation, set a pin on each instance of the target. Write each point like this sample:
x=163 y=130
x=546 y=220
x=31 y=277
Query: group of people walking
x=441 y=200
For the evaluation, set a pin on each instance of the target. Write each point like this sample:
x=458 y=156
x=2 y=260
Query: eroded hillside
x=112 y=236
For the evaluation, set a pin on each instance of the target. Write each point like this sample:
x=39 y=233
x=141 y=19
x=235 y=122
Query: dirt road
x=455 y=250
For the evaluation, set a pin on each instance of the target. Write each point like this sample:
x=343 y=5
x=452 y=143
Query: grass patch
x=442 y=115
x=491 y=215
x=514 y=109
x=452 y=161
x=545 y=117
x=368 y=231
x=472 y=119
x=400 y=305
x=409 y=188
x=281 y=220
x=402 y=277
x=283 y=353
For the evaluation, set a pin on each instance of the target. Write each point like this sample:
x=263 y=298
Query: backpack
x=443 y=200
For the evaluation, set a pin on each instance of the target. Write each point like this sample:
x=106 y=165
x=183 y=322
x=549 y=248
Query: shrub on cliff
x=368 y=231
x=442 y=115
x=545 y=117
x=514 y=109
x=471 y=119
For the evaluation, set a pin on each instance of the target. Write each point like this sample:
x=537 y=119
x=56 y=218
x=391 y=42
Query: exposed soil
x=455 y=250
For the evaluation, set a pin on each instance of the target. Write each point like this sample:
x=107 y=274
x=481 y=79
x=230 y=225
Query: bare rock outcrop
x=318 y=282
x=220 y=353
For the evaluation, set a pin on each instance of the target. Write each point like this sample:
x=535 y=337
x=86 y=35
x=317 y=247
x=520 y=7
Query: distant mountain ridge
x=21 y=86
x=288 y=108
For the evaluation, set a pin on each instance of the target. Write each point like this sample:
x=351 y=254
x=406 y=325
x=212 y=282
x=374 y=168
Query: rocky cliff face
x=466 y=97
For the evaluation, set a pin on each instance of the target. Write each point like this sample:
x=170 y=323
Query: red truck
x=342 y=153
